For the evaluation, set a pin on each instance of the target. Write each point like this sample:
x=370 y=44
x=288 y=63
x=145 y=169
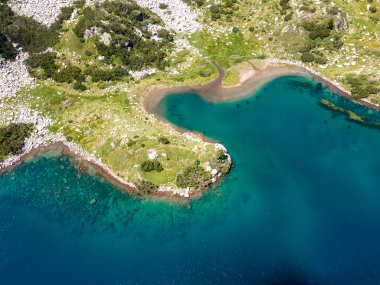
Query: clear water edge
x=301 y=205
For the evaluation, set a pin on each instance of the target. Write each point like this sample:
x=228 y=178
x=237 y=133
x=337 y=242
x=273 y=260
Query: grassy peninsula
x=83 y=76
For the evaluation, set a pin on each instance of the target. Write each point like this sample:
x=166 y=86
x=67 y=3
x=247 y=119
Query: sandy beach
x=250 y=81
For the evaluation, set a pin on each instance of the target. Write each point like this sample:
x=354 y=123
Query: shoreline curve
x=212 y=91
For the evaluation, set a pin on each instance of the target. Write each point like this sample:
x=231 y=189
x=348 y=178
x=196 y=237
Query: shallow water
x=301 y=205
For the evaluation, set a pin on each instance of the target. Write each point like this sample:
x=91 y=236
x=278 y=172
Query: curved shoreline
x=212 y=91
x=83 y=163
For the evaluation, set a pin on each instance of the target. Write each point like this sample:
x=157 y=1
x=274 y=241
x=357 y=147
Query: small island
x=84 y=77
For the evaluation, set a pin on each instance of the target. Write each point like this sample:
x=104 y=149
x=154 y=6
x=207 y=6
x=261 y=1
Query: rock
x=340 y=22
x=178 y=16
x=43 y=11
x=13 y=75
x=152 y=154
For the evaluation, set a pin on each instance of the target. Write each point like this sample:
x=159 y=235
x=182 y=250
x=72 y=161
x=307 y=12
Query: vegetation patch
x=7 y=50
x=231 y=78
x=194 y=176
x=226 y=50
x=12 y=138
x=362 y=86
x=27 y=32
x=122 y=35
x=146 y=187
x=164 y=140
x=151 y=165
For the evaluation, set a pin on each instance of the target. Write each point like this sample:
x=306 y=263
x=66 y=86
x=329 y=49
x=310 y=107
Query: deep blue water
x=301 y=205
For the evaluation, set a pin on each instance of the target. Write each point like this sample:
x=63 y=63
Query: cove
x=300 y=206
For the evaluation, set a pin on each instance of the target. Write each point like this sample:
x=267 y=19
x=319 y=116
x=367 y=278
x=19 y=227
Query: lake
x=300 y=206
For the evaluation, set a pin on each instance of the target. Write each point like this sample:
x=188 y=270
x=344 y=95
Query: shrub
x=7 y=50
x=204 y=73
x=221 y=155
x=235 y=29
x=319 y=29
x=214 y=9
x=44 y=61
x=146 y=187
x=362 y=86
x=307 y=57
x=164 y=34
x=163 y=6
x=78 y=85
x=31 y=35
x=151 y=165
x=288 y=17
x=285 y=4
x=12 y=138
x=372 y=9
x=121 y=19
x=6 y=15
x=114 y=74
x=307 y=47
x=320 y=60
x=163 y=140
x=199 y=2
x=68 y=74
x=193 y=176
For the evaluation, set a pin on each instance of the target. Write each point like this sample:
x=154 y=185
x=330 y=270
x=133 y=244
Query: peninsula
x=84 y=77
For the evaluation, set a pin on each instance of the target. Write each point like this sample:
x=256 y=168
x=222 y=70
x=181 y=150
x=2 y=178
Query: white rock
x=178 y=16
x=13 y=75
x=43 y=11
x=152 y=153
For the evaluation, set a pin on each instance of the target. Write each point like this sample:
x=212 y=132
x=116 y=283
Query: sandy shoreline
x=212 y=92
x=250 y=82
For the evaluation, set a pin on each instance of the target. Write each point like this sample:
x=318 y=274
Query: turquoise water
x=301 y=205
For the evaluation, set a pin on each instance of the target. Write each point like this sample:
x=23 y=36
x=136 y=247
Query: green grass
x=104 y=124
x=224 y=50
x=231 y=78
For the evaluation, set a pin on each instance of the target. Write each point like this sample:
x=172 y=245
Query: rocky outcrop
x=13 y=75
x=340 y=22
x=43 y=11
x=177 y=15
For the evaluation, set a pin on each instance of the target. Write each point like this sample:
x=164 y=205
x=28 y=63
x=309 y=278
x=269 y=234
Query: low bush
x=12 y=138
x=362 y=86
x=146 y=187
x=163 y=6
x=307 y=57
x=288 y=17
x=193 y=176
x=318 y=29
x=320 y=60
x=200 y=3
x=113 y=74
x=221 y=155
x=151 y=165
x=163 y=140
x=7 y=50
x=68 y=74
x=131 y=42
x=372 y=9
x=285 y=4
